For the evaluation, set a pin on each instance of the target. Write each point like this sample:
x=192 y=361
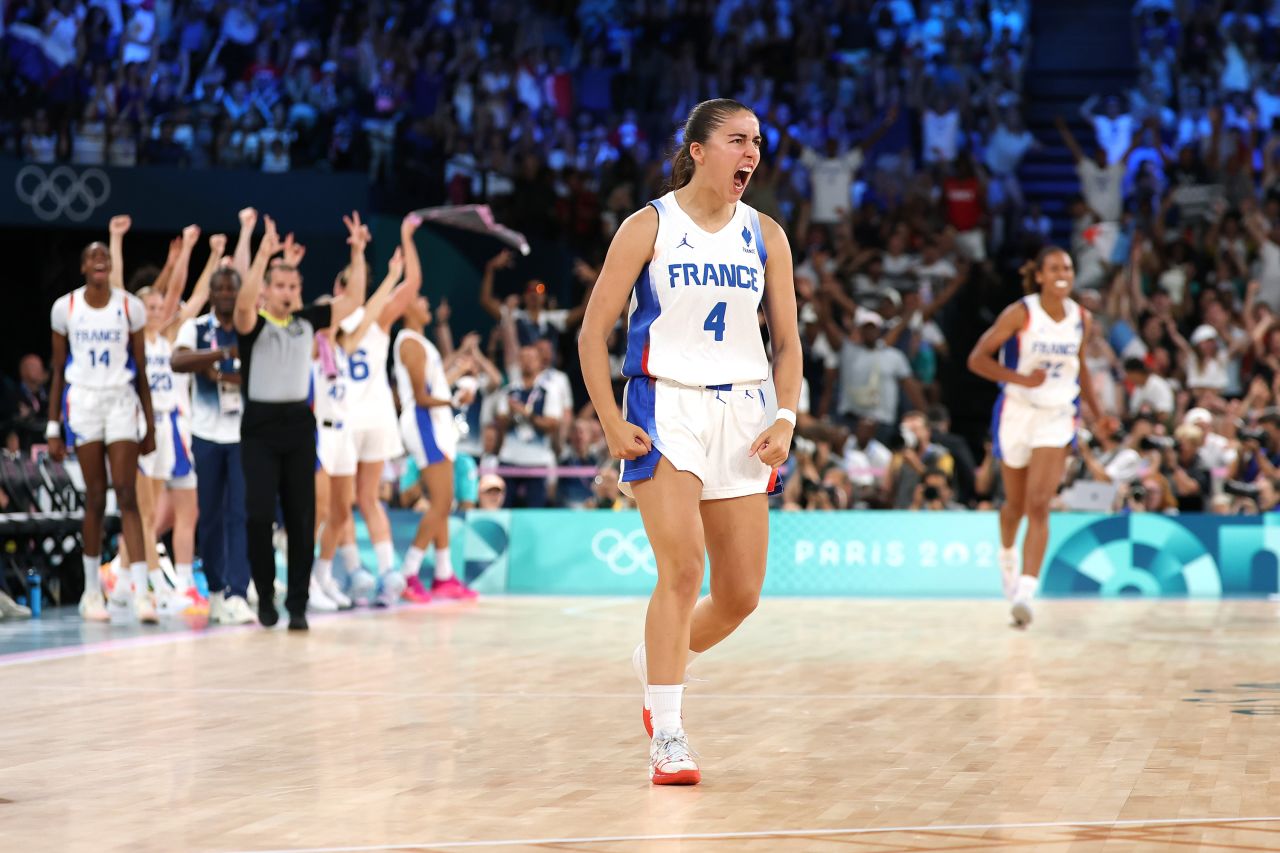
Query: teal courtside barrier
x=892 y=554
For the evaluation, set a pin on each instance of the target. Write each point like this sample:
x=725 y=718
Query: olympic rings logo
x=624 y=553
x=62 y=192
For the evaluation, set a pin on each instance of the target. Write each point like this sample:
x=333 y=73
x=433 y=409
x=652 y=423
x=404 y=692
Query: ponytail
x=681 y=167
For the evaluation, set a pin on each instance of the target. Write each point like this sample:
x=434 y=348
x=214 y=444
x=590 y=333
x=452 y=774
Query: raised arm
x=488 y=301
x=876 y=135
x=1069 y=139
x=246 y=312
x=176 y=282
x=200 y=295
x=444 y=334
x=408 y=290
x=116 y=229
x=378 y=301
x=353 y=297
x=248 y=221
x=631 y=249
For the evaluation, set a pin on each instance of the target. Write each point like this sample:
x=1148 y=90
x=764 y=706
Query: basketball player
x=1043 y=376
x=697 y=450
x=99 y=383
x=170 y=467
x=336 y=447
x=373 y=417
x=431 y=436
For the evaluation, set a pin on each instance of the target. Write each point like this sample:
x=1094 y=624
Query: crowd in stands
x=893 y=138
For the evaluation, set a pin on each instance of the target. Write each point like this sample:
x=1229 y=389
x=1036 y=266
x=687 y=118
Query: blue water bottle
x=33 y=591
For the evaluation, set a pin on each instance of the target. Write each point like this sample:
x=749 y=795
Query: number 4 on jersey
x=715 y=320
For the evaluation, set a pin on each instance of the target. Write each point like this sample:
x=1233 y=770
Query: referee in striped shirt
x=277 y=430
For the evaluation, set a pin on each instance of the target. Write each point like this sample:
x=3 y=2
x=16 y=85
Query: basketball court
x=514 y=724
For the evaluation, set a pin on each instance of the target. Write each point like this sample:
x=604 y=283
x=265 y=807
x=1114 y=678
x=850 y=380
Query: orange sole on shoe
x=683 y=777
x=647 y=716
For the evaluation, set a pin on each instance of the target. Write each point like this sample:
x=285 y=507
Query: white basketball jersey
x=369 y=399
x=331 y=392
x=98 y=352
x=169 y=391
x=437 y=381
x=693 y=310
x=1049 y=345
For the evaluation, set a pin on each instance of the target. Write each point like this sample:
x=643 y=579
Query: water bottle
x=33 y=591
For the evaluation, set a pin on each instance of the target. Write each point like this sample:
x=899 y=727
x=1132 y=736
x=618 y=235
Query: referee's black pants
x=278 y=453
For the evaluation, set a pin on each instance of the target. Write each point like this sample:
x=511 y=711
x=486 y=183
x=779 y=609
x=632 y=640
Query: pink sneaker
x=452 y=588
x=415 y=592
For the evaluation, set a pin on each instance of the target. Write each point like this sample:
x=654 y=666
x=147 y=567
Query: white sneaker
x=145 y=609
x=1021 y=612
x=318 y=601
x=122 y=606
x=217 y=606
x=331 y=589
x=171 y=604
x=671 y=761
x=10 y=609
x=235 y=611
x=92 y=607
x=393 y=584
x=1010 y=570
x=362 y=586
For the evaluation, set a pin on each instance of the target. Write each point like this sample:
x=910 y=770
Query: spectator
x=872 y=375
x=831 y=174
x=493 y=492
x=918 y=455
x=933 y=493
x=1150 y=392
x=529 y=413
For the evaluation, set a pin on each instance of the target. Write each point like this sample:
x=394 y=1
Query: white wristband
x=53 y=429
x=787 y=415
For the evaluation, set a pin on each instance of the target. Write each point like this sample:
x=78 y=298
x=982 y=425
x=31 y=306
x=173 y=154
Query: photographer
x=934 y=493
x=1185 y=471
x=915 y=454
x=1150 y=494
x=1260 y=449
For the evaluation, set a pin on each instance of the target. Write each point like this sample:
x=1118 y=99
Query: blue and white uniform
x=171 y=461
x=99 y=402
x=335 y=441
x=695 y=357
x=1044 y=416
x=371 y=407
x=430 y=435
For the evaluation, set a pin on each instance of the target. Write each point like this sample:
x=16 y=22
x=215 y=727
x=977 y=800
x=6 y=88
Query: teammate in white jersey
x=1043 y=377
x=697 y=451
x=337 y=457
x=167 y=476
x=373 y=411
x=431 y=436
x=99 y=383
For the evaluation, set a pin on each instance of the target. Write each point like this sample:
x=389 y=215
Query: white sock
x=322 y=570
x=186 y=576
x=1008 y=555
x=444 y=564
x=664 y=705
x=138 y=573
x=386 y=554
x=92 y=578
x=1027 y=586
x=350 y=555
x=412 y=564
x=158 y=581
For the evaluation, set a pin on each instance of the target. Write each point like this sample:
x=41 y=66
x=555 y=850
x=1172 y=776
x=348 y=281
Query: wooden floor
x=514 y=724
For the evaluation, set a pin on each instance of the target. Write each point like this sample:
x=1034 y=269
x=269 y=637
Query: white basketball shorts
x=378 y=443
x=430 y=435
x=1017 y=428
x=171 y=461
x=336 y=450
x=101 y=414
x=705 y=431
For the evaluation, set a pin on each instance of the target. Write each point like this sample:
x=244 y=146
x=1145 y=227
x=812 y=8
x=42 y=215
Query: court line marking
x=517 y=694
x=770 y=833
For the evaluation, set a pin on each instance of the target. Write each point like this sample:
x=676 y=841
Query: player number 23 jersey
x=694 y=307
x=1049 y=345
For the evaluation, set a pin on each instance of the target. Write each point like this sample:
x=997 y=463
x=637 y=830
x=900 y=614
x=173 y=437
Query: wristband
x=787 y=415
x=52 y=430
